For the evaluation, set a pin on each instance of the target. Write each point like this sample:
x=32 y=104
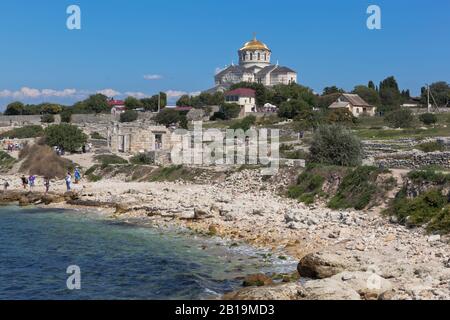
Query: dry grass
x=41 y=160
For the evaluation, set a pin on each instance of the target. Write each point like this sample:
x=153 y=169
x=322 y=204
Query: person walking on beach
x=77 y=175
x=31 y=181
x=24 y=182
x=47 y=184
x=68 y=181
x=5 y=186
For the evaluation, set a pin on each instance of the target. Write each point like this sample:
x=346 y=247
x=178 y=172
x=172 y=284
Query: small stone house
x=355 y=104
x=245 y=98
x=135 y=138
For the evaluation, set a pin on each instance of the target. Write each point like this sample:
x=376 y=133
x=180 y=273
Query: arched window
x=259 y=56
x=251 y=56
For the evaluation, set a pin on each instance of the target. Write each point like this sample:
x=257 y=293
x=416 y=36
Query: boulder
x=327 y=289
x=368 y=285
x=281 y=292
x=320 y=265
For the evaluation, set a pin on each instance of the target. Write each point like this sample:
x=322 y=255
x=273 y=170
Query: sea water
x=116 y=260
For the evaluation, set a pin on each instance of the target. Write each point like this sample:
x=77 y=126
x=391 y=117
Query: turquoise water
x=117 y=261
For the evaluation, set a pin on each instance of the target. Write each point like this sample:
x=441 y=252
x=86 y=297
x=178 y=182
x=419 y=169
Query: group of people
x=30 y=181
x=10 y=147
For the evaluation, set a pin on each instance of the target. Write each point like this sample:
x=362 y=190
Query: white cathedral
x=254 y=66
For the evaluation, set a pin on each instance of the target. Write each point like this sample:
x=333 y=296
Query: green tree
x=230 y=110
x=440 y=91
x=390 y=94
x=128 y=116
x=184 y=101
x=402 y=118
x=50 y=108
x=370 y=95
x=97 y=103
x=291 y=109
x=167 y=117
x=14 y=109
x=132 y=103
x=331 y=90
x=336 y=145
x=371 y=85
x=67 y=136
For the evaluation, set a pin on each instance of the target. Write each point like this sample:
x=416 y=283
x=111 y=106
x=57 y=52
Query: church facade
x=255 y=66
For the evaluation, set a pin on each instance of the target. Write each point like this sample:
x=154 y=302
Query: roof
x=242 y=92
x=339 y=104
x=113 y=103
x=355 y=100
x=274 y=69
x=233 y=68
x=254 y=45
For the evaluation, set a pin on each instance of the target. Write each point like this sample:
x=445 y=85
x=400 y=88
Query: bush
x=357 y=189
x=69 y=137
x=342 y=116
x=24 y=133
x=402 y=118
x=66 y=116
x=110 y=159
x=230 y=111
x=129 y=116
x=6 y=161
x=418 y=211
x=48 y=118
x=431 y=147
x=142 y=159
x=97 y=136
x=335 y=145
x=428 y=118
x=167 y=117
x=244 y=124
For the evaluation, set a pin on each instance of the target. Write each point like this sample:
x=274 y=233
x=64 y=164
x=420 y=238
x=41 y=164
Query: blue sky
x=179 y=44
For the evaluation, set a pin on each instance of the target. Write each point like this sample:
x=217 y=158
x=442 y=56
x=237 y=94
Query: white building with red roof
x=245 y=98
x=117 y=106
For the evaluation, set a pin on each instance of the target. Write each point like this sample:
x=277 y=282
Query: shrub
x=129 y=116
x=402 y=118
x=230 y=111
x=142 y=159
x=66 y=116
x=69 y=137
x=167 y=117
x=24 y=132
x=335 y=145
x=357 y=189
x=428 y=118
x=420 y=210
x=431 y=147
x=244 y=124
x=6 y=161
x=342 y=116
x=110 y=159
x=48 y=118
x=97 y=136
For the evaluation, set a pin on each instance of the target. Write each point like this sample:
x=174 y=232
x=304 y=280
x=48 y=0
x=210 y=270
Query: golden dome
x=254 y=45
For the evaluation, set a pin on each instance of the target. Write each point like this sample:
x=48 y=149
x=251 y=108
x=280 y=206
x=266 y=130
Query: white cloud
x=137 y=95
x=109 y=92
x=171 y=94
x=153 y=77
x=32 y=93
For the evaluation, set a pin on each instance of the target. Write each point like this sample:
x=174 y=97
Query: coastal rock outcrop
x=321 y=265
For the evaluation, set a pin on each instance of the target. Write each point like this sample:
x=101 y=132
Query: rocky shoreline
x=343 y=254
